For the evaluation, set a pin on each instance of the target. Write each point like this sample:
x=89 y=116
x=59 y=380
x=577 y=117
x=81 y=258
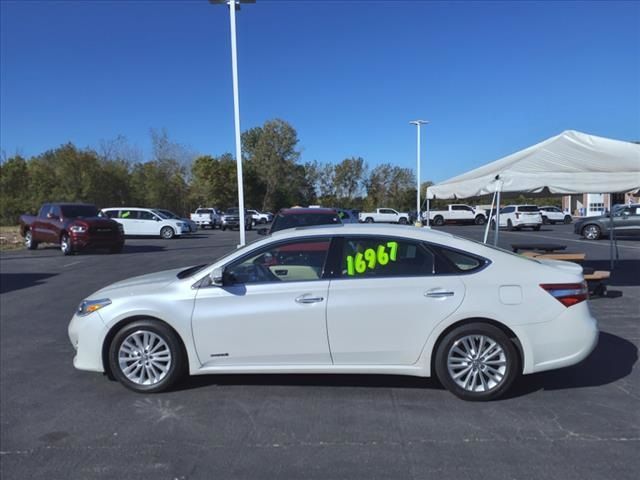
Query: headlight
x=78 y=229
x=90 y=306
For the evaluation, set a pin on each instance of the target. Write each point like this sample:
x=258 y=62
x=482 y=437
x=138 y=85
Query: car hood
x=143 y=283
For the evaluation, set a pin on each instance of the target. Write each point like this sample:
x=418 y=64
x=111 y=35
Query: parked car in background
x=193 y=226
x=515 y=217
x=302 y=217
x=552 y=215
x=457 y=213
x=146 y=222
x=384 y=215
x=346 y=216
x=260 y=218
x=231 y=219
x=343 y=299
x=207 y=217
x=73 y=226
x=626 y=221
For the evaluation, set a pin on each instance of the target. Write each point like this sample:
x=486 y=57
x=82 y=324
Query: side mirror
x=263 y=231
x=217 y=277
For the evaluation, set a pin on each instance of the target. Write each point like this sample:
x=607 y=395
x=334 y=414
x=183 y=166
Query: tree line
x=114 y=174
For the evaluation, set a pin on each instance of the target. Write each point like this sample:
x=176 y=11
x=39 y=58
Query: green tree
x=349 y=177
x=14 y=190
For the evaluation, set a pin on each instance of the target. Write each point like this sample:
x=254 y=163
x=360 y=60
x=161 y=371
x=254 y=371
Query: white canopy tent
x=570 y=163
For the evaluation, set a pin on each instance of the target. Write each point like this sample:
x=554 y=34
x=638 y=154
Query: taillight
x=567 y=294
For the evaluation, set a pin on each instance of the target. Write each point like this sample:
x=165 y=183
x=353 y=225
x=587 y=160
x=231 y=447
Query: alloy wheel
x=477 y=363
x=144 y=357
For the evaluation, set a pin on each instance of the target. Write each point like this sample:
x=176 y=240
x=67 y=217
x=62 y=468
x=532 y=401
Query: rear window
x=204 y=210
x=463 y=262
x=528 y=208
x=282 y=221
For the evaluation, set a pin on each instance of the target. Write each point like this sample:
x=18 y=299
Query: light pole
x=418 y=123
x=233 y=6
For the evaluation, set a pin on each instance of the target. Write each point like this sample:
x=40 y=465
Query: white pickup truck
x=457 y=214
x=384 y=215
x=206 y=217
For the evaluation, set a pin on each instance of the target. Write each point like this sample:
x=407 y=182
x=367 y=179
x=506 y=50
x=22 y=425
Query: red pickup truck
x=73 y=226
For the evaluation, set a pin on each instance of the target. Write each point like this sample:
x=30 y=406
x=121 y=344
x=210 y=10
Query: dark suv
x=303 y=217
x=626 y=221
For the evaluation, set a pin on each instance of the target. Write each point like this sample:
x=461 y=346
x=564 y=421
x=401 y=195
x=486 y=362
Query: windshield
x=283 y=221
x=166 y=214
x=232 y=211
x=79 y=211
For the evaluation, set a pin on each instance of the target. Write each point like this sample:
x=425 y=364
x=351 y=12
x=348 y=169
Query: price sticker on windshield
x=381 y=255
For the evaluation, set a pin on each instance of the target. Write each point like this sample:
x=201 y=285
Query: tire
x=402 y=221
x=510 y=225
x=591 y=232
x=167 y=233
x=537 y=228
x=480 y=220
x=65 y=244
x=567 y=219
x=116 y=249
x=263 y=221
x=493 y=375
x=29 y=242
x=368 y=220
x=545 y=220
x=152 y=353
x=438 y=221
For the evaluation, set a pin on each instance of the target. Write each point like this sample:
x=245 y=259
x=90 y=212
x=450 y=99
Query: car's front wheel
x=65 y=244
x=477 y=362
x=146 y=356
x=591 y=232
x=167 y=233
x=567 y=219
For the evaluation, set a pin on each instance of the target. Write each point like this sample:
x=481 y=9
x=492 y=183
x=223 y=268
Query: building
x=590 y=204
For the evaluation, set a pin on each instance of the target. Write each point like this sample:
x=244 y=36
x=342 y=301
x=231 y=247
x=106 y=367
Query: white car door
x=387 y=301
x=129 y=220
x=271 y=310
x=148 y=223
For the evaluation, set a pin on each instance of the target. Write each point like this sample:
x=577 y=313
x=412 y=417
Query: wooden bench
x=569 y=257
x=544 y=247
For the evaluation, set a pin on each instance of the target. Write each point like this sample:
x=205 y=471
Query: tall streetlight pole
x=233 y=6
x=418 y=123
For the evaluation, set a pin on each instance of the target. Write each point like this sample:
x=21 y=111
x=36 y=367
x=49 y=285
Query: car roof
x=295 y=211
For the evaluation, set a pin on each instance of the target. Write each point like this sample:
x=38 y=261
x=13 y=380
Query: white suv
x=515 y=217
x=145 y=221
x=554 y=215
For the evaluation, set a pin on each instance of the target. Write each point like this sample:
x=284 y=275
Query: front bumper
x=87 y=335
x=82 y=241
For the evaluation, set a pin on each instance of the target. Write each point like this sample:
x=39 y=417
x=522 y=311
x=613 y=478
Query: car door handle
x=438 y=293
x=305 y=299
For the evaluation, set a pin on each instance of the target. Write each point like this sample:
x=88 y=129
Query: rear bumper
x=564 y=341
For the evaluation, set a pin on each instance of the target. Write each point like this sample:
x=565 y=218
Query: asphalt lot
x=56 y=422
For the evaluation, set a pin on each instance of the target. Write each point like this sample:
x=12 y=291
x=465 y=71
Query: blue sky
x=492 y=77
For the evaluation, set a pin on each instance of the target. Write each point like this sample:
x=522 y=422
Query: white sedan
x=343 y=299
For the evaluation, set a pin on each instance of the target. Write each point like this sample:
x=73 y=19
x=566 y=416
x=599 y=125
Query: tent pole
x=428 y=210
x=486 y=229
x=496 y=235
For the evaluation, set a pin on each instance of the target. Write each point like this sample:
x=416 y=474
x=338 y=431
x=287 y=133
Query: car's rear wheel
x=510 y=225
x=545 y=220
x=167 y=233
x=438 y=221
x=567 y=219
x=146 y=356
x=65 y=244
x=591 y=232
x=368 y=220
x=402 y=221
x=29 y=242
x=477 y=362
x=480 y=220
